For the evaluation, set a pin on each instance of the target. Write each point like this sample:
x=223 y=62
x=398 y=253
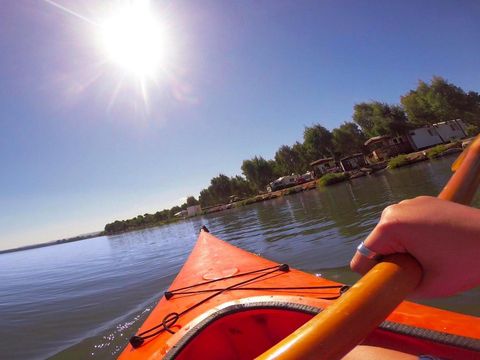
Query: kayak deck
x=227 y=303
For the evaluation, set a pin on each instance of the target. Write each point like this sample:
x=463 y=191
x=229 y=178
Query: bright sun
x=134 y=39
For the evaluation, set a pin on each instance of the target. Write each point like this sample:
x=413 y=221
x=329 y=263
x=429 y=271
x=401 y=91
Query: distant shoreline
x=56 y=242
x=326 y=180
x=254 y=199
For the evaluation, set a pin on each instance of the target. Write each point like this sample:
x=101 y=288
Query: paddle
x=338 y=329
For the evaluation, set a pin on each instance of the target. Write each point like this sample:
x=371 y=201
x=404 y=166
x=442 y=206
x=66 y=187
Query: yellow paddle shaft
x=462 y=186
x=338 y=329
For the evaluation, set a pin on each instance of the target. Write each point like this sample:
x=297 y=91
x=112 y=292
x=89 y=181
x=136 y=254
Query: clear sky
x=83 y=142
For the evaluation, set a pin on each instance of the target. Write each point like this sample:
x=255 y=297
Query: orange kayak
x=227 y=303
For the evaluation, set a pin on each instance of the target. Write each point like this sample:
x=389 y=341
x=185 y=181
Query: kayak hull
x=228 y=303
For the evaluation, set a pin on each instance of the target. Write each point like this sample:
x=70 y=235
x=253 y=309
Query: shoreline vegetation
x=427 y=104
x=426 y=154
x=324 y=181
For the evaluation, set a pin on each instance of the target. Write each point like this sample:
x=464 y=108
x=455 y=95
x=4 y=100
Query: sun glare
x=135 y=40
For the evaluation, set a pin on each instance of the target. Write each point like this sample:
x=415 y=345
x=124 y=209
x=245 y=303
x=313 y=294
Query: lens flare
x=135 y=40
x=136 y=47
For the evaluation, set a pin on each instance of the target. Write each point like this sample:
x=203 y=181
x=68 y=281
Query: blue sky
x=78 y=150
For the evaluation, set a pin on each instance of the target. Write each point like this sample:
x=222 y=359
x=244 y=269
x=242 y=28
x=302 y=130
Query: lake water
x=84 y=299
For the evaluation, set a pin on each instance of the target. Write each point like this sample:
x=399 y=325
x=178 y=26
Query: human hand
x=444 y=237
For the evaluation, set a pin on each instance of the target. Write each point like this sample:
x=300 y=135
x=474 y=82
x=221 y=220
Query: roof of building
x=447 y=122
x=352 y=156
x=376 y=138
x=321 y=161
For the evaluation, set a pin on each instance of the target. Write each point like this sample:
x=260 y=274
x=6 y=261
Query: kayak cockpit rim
x=197 y=326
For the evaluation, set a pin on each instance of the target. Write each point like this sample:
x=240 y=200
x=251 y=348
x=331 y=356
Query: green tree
x=348 y=139
x=222 y=187
x=191 y=201
x=259 y=172
x=317 y=141
x=290 y=160
x=148 y=218
x=377 y=118
x=241 y=187
x=115 y=227
x=173 y=211
x=161 y=215
x=302 y=155
x=206 y=198
x=441 y=101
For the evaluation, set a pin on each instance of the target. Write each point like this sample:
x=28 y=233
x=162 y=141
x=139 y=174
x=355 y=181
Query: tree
x=302 y=155
x=348 y=139
x=441 y=101
x=317 y=141
x=191 y=201
x=222 y=188
x=161 y=215
x=205 y=198
x=115 y=227
x=377 y=118
x=240 y=186
x=173 y=211
x=290 y=159
x=258 y=171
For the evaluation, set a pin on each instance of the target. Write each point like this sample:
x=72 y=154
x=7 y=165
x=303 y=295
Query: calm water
x=84 y=299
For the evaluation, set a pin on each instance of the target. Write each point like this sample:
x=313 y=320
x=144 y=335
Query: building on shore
x=439 y=133
x=451 y=130
x=424 y=137
x=181 y=213
x=323 y=166
x=381 y=148
x=353 y=162
x=282 y=182
x=384 y=147
x=194 y=210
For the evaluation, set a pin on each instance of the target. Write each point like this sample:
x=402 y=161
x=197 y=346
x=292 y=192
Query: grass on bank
x=332 y=178
x=435 y=151
x=398 y=161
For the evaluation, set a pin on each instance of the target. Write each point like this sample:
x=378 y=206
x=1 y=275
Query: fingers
x=361 y=264
x=380 y=242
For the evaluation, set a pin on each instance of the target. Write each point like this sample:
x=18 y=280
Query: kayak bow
x=227 y=303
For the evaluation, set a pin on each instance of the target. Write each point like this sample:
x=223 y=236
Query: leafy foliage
x=222 y=188
x=318 y=142
x=348 y=139
x=259 y=172
x=191 y=201
x=332 y=178
x=441 y=101
x=436 y=151
x=376 y=118
x=291 y=160
x=398 y=161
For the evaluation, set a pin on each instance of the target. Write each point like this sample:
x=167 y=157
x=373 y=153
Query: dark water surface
x=84 y=299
